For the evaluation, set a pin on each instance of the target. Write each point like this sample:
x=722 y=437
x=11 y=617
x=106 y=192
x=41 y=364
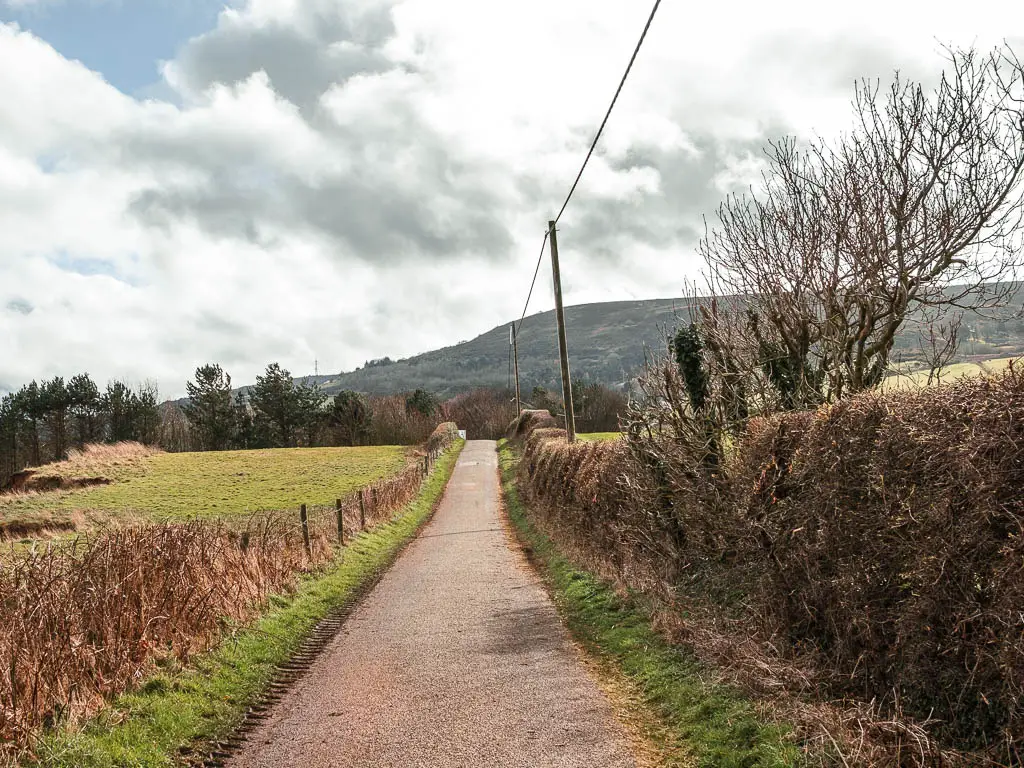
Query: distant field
x=915 y=379
x=177 y=486
x=597 y=437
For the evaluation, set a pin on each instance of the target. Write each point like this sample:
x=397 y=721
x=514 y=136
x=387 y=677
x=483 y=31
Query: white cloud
x=344 y=181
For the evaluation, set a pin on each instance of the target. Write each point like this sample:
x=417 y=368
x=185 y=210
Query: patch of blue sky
x=48 y=162
x=124 y=40
x=91 y=267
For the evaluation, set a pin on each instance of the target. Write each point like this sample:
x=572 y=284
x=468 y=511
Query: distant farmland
x=919 y=378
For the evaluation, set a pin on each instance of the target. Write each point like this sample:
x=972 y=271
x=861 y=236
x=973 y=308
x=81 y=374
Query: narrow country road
x=457 y=658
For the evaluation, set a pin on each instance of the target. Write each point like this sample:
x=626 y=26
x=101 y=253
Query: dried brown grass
x=95 y=460
x=528 y=421
x=83 y=620
x=92 y=465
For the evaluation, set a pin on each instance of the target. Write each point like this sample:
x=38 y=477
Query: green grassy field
x=597 y=437
x=177 y=486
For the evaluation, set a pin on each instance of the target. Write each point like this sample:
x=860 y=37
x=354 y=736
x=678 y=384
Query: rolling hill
x=607 y=344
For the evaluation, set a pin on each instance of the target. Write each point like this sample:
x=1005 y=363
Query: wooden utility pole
x=515 y=355
x=563 y=353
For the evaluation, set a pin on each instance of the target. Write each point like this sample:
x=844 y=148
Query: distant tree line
x=43 y=420
x=276 y=412
x=281 y=412
x=380 y=362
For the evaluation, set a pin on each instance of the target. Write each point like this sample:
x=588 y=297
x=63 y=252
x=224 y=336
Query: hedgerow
x=877 y=543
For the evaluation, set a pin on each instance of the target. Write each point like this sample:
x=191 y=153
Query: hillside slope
x=607 y=343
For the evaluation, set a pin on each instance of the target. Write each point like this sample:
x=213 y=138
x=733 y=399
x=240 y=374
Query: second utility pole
x=563 y=353
x=515 y=352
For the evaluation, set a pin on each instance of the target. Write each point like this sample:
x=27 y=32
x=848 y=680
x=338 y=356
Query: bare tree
x=175 y=430
x=939 y=343
x=918 y=208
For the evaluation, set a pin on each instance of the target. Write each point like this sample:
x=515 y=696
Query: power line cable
x=533 y=282
x=590 y=153
x=608 y=114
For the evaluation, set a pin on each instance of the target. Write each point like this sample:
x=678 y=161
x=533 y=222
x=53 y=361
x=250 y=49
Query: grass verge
x=177 y=711
x=691 y=719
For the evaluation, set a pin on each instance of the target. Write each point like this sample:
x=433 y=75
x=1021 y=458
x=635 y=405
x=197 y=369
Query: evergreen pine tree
x=85 y=409
x=57 y=403
x=277 y=407
x=117 y=408
x=210 y=410
x=33 y=409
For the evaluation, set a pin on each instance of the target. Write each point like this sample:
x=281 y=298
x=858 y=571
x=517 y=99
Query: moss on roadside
x=681 y=703
x=175 y=712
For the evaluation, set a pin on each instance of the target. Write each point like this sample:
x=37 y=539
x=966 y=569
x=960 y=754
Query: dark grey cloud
x=606 y=230
x=386 y=222
x=21 y=306
x=221 y=210
x=375 y=214
x=403 y=181
x=301 y=64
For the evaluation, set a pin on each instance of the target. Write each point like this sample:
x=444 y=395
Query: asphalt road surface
x=457 y=658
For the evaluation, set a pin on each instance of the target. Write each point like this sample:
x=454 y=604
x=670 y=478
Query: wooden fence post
x=426 y=465
x=304 y=519
x=341 y=522
x=362 y=511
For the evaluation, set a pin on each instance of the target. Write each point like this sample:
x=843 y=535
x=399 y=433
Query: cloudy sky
x=186 y=181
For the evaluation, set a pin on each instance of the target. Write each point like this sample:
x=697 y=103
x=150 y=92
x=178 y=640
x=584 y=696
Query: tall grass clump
x=81 y=621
